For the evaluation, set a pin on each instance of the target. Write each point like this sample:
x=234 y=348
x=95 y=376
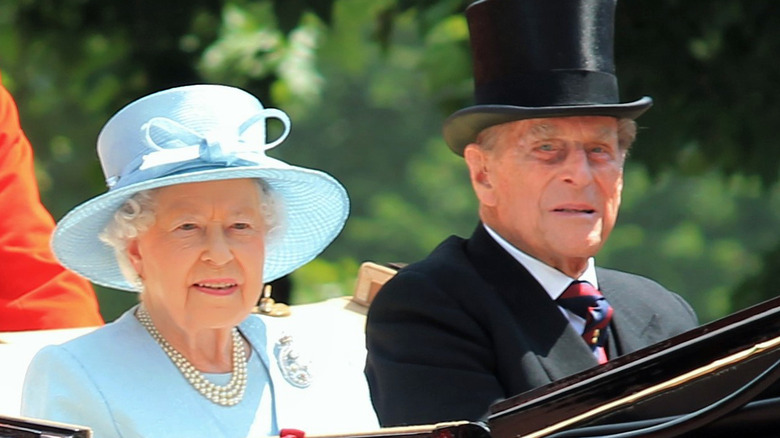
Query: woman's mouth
x=220 y=288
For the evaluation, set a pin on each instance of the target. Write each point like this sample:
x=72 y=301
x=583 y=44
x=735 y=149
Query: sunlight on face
x=551 y=187
x=202 y=259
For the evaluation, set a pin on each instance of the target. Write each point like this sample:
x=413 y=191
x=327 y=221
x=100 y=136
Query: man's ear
x=479 y=171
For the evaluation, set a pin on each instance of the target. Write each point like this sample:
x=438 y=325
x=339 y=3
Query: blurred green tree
x=368 y=83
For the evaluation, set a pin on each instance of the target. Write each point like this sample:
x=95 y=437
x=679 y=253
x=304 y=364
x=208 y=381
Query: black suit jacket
x=468 y=326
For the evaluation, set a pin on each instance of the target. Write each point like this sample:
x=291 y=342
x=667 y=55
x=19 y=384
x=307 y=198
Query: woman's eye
x=242 y=226
x=188 y=227
x=547 y=147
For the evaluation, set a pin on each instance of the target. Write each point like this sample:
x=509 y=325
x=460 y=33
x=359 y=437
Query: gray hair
x=626 y=131
x=136 y=215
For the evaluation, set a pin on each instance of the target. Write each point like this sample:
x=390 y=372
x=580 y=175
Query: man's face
x=551 y=187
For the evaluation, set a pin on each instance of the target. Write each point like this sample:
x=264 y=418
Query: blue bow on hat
x=176 y=148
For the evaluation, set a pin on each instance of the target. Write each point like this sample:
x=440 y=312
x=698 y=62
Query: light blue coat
x=118 y=381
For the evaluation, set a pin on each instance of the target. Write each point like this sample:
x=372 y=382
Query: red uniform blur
x=36 y=292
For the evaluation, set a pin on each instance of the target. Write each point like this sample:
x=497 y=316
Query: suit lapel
x=559 y=350
x=633 y=320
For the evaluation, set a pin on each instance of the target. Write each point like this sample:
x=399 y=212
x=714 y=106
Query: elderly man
x=520 y=303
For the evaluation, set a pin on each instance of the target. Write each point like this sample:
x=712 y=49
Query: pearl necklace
x=227 y=395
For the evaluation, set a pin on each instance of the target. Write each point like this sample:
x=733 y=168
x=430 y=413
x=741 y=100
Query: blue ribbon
x=174 y=148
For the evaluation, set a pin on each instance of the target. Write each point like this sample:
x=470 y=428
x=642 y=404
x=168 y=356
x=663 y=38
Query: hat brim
x=462 y=127
x=315 y=207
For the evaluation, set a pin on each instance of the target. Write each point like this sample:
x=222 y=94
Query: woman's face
x=202 y=260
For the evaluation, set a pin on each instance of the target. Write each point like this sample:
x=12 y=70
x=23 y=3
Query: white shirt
x=552 y=280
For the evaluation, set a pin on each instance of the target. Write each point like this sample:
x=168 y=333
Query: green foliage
x=321 y=280
x=711 y=69
x=699 y=236
x=368 y=84
x=114 y=302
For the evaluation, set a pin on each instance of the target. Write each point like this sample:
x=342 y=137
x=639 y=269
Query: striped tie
x=587 y=302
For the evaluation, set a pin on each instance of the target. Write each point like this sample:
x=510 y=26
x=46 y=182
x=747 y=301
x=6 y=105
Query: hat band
x=556 y=88
x=174 y=149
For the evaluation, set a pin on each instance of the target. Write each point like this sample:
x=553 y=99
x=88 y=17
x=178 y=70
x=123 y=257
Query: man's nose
x=577 y=168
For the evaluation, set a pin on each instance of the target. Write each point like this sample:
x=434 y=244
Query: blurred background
x=368 y=83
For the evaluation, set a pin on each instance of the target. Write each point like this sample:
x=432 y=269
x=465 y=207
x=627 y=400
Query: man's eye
x=547 y=147
x=600 y=149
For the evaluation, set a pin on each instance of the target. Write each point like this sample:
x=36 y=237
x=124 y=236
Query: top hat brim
x=462 y=127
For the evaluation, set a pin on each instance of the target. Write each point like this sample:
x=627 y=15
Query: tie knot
x=585 y=301
x=580 y=297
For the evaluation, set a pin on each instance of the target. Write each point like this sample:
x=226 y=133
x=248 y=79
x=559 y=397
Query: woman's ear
x=134 y=254
x=477 y=160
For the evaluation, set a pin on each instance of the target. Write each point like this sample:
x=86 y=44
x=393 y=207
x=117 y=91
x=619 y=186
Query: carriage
x=720 y=379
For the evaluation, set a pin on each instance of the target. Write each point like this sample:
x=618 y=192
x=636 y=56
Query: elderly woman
x=197 y=218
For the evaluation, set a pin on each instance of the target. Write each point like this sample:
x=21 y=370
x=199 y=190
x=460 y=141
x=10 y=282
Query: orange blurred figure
x=36 y=292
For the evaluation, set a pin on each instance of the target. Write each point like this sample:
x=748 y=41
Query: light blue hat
x=192 y=134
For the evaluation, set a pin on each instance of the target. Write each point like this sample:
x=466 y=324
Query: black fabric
x=534 y=58
x=562 y=88
x=543 y=47
x=468 y=326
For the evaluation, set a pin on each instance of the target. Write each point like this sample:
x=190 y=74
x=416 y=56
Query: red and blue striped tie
x=587 y=302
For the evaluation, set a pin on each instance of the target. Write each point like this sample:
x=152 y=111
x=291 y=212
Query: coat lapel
x=287 y=399
x=634 y=320
x=559 y=350
x=295 y=406
x=262 y=342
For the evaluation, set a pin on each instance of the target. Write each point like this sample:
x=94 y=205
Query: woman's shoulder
x=106 y=347
x=112 y=335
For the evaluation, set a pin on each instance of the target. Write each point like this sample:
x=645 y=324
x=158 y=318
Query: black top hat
x=539 y=58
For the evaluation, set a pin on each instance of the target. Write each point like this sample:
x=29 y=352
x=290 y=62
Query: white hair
x=136 y=215
x=626 y=131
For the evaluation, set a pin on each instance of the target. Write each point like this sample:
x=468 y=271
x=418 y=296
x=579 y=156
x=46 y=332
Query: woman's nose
x=217 y=248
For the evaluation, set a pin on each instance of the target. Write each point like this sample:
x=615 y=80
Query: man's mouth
x=574 y=210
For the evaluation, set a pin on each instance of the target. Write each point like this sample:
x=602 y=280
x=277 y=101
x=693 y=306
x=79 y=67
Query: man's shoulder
x=620 y=280
x=638 y=294
x=632 y=287
x=638 y=289
x=447 y=256
x=438 y=276
x=448 y=266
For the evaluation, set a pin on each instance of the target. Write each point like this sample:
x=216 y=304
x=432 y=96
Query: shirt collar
x=552 y=280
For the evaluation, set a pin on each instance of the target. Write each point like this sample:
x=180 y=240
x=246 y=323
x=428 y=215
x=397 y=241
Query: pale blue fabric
x=118 y=381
